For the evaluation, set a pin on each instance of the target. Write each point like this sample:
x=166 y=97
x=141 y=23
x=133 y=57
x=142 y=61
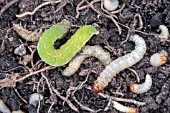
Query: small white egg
x=35 y=98
x=111 y=5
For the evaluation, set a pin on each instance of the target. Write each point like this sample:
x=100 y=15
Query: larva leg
x=142 y=88
x=67 y=51
x=88 y=51
x=120 y=64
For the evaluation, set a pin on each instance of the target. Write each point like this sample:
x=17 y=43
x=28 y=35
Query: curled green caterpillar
x=59 y=57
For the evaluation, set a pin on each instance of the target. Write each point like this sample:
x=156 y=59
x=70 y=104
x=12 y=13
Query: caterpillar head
x=97 y=87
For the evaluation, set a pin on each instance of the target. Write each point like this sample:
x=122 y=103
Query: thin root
x=72 y=106
x=137 y=75
x=38 y=7
x=8 y=5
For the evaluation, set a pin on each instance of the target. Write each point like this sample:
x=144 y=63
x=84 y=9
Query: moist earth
x=153 y=13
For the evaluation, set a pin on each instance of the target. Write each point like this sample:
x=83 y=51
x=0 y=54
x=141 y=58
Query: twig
x=118 y=93
x=83 y=106
x=49 y=86
x=12 y=69
x=20 y=96
x=119 y=99
x=137 y=76
x=49 y=110
x=7 y=6
x=38 y=7
x=72 y=106
x=140 y=21
x=35 y=72
x=108 y=105
x=78 y=8
x=98 y=12
x=32 y=55
x=122 y=99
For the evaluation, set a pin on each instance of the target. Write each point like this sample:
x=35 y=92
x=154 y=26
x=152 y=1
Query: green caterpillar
x=61 y=56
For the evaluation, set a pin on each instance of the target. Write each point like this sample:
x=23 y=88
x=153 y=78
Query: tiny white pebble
x=164 y=33
x=35 y=98
x=111 y=5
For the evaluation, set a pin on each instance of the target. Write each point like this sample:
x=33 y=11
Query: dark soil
x=153 y=13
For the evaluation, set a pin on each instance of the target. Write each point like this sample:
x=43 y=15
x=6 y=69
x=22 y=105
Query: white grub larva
x=164 y=33
x=25 y=34
x=88 y=51
x=18 y=111
x=123 y=108
x=158 y=59
x=35 y=98
x=3 y=107
x=120 y=64
x=142 y=88
x=110 y=5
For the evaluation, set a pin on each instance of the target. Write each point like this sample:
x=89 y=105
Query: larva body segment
x=25 y=34
x=88 y=51
x=142 y=88
x=120 y=64
x=61 y=56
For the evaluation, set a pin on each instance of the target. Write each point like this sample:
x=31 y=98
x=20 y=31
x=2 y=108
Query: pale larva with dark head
x=120 y=64
x=142 y=88
x=88 y=51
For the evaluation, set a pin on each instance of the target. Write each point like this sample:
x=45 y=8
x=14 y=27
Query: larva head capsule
x=97 y=87
x=132 y=88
